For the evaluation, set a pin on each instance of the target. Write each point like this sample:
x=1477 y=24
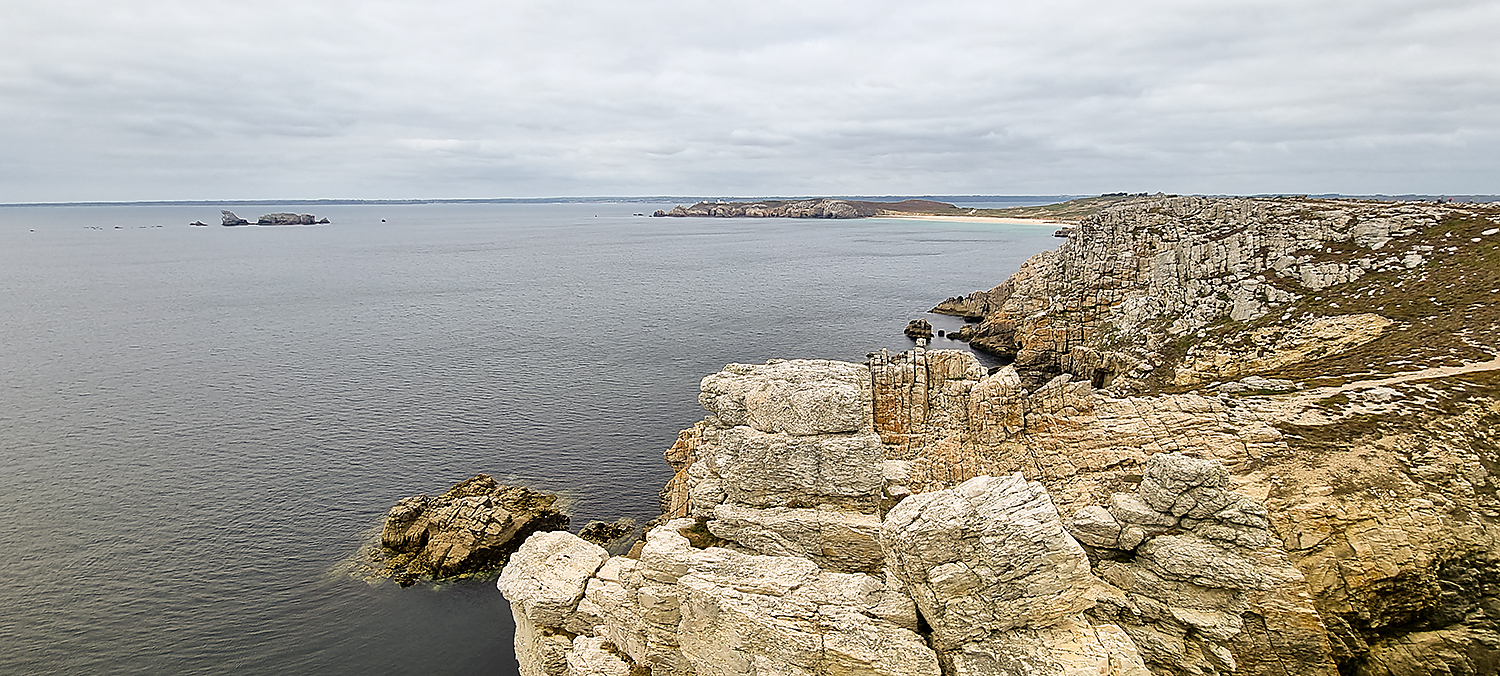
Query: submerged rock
x=604 y=532
x=472 y=528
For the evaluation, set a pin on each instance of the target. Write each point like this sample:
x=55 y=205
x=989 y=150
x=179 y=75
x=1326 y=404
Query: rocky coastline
x=1234 y=436
x=808 y=208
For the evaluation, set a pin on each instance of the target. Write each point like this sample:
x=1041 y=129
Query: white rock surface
x=797 y=397
x=836 y=540
x=988 y=555
x=772 y=470
x=546 y=577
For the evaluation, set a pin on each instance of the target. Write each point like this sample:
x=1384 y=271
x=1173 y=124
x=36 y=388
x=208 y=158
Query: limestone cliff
x=1239 y=436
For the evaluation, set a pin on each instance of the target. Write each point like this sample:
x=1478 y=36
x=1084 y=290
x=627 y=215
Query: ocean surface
x=200 y=426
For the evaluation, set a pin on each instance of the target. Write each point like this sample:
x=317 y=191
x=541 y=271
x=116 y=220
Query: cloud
x=167 y=99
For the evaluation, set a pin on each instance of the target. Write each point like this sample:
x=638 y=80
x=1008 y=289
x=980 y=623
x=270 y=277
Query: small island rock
x=472 y=528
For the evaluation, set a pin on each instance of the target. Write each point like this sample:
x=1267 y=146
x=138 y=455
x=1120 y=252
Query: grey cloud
x=179 y=99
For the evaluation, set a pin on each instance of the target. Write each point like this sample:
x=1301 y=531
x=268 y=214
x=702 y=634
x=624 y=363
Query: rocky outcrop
x=471 y=528
x=918 y=328
x=812 y=208
x=1239 y=436
x=289 y=219
x=229 y=219
x=1145 y=281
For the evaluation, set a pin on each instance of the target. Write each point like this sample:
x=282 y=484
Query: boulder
x=918 y=328
x=784 y=470
x=985 y=556
x=547 y=576
x=834 y=539
x=798 y=397
x=472 y=528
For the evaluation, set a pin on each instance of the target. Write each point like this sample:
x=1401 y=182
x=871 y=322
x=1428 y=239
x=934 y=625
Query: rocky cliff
x=1239 y=436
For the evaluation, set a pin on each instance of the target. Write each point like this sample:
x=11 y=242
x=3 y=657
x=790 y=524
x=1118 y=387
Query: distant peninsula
x=828 y=207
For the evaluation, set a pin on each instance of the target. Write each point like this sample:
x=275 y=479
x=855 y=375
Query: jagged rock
x=1068 y=648
x=798 y=397
x=591 y=656
x=547 y=577
x=286 y=219
x=229 y=219
x=779 y=470
x=471 y=528
x=834 y=539
x=602 y=532
x=1095 y=527
x=681 y=610
x=918 y=328
x=1022 y=571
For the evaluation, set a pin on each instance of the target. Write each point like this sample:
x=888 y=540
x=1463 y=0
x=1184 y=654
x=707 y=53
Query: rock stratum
x=1238 y=436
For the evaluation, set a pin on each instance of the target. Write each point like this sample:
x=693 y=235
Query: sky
x=393 y=99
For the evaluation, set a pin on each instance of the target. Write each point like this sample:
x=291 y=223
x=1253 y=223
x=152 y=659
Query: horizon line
x=627 y=199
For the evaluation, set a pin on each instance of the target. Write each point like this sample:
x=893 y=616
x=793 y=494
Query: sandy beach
x=981 y=219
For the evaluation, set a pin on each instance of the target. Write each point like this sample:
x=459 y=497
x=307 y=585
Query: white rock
x=545 y=578
x=834 y=539
x=772 y=470
x=1072 y=647
x=988 y=555
x=797 y=397
x=1095 y=527
x=588 y=657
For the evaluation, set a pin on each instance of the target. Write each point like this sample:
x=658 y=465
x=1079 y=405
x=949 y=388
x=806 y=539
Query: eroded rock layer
x=1238 y=437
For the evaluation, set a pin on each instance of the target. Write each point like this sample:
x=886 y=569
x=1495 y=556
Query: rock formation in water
x=290 y=219
x=918 y=328
x=1240 y=436
x=471 y=528
x=229 y=219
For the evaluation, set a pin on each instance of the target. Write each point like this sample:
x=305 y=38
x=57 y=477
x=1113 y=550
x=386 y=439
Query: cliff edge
x=1238 y=436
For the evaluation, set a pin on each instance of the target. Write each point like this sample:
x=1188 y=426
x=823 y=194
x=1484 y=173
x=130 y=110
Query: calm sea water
x=199 y=425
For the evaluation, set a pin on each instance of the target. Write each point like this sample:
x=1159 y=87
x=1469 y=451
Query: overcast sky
x=202 y=99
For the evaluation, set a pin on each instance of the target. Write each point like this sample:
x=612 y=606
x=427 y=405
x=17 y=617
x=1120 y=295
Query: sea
x=200 y=427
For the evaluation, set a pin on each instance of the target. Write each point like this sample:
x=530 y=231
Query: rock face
x=288 y=219
x=785 y=481
x=471 y=528
x=1240 y=436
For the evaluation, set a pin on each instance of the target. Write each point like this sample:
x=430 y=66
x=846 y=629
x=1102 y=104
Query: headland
x=1234 y=436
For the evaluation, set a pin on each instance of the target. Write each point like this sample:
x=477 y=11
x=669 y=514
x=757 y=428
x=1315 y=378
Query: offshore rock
x=288 y=219
x=472 y=528
x=230 y=219
x=918 y=328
